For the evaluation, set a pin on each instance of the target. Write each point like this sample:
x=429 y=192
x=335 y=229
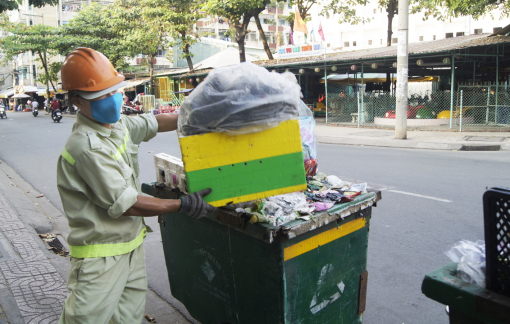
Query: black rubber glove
x=194 y=206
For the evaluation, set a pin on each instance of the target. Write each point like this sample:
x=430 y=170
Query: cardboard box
x=245 y=167
x=170 y=170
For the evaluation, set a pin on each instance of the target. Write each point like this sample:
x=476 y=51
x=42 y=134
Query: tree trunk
x=241 y=34
x=45 y=66
x=151 y=74
x=43 y=61
x=263 y=36
x=391 y=14
x=240 y=42
x=188 y=59
x=185 y=49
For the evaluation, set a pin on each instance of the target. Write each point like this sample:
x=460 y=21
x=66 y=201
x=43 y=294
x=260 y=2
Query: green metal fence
x=471 y=108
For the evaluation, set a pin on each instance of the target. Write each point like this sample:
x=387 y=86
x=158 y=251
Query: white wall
x=376 y=30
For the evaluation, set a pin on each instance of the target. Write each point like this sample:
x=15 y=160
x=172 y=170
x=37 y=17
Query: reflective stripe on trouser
x=106 y=290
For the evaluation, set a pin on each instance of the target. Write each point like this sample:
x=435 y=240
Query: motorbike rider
x=127 y=102
x=55 y=105
x=97 y=178
x=35 y=104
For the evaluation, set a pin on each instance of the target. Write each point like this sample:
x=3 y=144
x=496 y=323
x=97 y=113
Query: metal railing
x=471 y=108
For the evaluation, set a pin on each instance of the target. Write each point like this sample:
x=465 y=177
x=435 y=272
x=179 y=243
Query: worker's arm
x=150 y=206
x=167 y=122
x=192 y=205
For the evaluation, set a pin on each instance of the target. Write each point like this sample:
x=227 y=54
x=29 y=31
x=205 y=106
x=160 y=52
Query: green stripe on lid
x=239 y=179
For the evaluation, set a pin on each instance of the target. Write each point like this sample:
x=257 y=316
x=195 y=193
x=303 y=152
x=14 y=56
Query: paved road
x=430 y=200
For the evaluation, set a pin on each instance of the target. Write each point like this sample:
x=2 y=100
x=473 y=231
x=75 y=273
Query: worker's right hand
x=194 y=204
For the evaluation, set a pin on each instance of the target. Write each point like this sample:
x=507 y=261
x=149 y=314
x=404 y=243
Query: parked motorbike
x=35 y=112
x=56 y=116
x=2 y=112
x=127 y=110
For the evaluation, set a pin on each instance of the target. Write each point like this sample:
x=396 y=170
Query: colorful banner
x=289 y=51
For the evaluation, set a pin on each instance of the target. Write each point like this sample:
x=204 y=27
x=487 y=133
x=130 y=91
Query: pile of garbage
x=240 y=99
x=323 y=193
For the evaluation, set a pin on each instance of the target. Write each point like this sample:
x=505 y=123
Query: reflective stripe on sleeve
x=68 y=156
x=105 y=250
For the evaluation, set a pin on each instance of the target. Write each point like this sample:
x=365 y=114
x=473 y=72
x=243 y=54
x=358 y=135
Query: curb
x=480 y=148
x=409 y=144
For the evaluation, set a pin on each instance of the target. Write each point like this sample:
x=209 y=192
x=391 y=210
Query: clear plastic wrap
x=471 y=259
x=307 y=127
x=239 y=99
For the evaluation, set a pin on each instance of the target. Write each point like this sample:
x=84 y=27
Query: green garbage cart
x=469 y=303
x=226 y=270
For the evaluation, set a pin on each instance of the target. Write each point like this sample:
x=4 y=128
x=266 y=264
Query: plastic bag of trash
x=307 y=127
x=239 y=99
x=471 y=259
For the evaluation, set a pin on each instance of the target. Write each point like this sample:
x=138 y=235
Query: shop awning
x=184 y=91
x=6 y=93
x=134 y=83
x=30 y=89
x=42 y=92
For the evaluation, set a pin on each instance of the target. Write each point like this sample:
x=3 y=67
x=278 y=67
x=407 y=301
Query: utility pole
x=402 y=70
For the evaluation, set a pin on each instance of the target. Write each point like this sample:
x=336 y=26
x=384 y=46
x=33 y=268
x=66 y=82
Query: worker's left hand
x=194 y=204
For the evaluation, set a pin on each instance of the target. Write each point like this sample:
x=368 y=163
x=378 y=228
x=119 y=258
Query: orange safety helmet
x=88 y=70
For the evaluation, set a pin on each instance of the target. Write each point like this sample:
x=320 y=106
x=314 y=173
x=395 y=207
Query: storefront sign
x=290 y=51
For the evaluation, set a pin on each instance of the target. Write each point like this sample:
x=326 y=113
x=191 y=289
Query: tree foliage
x=14 y=4
x=447 y=9
x=89 y=28
x=183 y=14
x=239 y=13
x=40 y=39
x=143 y=27
x=303 y=7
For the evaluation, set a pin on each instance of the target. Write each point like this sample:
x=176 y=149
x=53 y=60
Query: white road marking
x=421 y=196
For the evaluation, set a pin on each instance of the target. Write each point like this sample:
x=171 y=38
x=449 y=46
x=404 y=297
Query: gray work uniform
x=97 y=178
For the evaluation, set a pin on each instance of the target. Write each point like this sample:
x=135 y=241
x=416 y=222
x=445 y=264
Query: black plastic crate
x=496 y=210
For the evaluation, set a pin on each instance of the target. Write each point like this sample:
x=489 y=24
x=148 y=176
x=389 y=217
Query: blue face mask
x=107 y=110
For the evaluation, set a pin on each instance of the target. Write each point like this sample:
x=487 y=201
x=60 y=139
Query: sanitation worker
x=97 y=178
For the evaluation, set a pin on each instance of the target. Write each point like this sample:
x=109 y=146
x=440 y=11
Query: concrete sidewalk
x=434 y=140
x=33 y=279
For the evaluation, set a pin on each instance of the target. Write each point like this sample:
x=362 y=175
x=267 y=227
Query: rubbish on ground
x=54 y=244
x=150 y=319
x=39 y=196
x=470 y=257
